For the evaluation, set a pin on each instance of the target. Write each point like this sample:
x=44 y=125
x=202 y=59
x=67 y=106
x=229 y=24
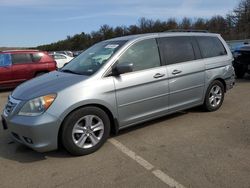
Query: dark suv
x=242 y=61
x=17 y=66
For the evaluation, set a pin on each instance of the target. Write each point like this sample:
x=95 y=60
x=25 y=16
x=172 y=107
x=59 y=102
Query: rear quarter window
x=36 y=57
x=211 y=46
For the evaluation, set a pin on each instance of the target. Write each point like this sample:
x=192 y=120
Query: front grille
x=10 y=106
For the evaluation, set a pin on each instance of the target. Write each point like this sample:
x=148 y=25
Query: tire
x=214 y=96
x=85 y=130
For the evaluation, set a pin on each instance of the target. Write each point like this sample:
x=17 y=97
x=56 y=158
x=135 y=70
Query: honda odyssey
x=118 y=83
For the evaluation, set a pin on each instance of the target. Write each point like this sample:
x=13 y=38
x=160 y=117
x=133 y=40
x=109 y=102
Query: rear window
x=21 y=58
x=211 y=46
x=177 y=49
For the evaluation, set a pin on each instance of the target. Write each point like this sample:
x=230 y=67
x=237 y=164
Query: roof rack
x=188 y=30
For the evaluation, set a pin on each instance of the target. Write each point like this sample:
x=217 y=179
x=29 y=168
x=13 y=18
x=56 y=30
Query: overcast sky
x=33 y=22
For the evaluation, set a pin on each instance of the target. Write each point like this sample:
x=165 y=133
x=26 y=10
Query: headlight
x=37 y=106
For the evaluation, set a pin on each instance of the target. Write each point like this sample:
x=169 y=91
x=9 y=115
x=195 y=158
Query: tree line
x=235 y=25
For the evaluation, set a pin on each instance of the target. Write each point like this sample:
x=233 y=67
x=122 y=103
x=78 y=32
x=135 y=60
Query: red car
x=17 y=66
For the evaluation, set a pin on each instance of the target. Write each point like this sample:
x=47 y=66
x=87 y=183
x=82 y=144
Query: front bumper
x=39 y=133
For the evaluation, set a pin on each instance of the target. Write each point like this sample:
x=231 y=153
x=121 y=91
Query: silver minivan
x=118 y=83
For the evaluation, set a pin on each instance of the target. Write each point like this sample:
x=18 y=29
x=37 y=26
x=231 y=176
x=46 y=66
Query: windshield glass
x=91 y=60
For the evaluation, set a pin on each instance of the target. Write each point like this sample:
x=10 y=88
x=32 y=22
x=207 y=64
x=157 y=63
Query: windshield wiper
x=68 y=71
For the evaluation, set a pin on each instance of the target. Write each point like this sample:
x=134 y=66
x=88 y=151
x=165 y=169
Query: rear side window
x=36 y=57
x=177 y=49
x=211 y=46
x=21 y=58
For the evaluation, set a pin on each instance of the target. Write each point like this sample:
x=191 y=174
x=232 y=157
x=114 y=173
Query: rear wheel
x=85 y=130
x=214 y=96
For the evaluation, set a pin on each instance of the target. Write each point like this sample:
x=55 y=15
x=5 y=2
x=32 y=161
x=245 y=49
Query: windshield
x=91 y=60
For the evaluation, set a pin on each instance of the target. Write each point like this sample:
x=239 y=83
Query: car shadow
x=197 y=109
x=17 y=152
x=246 y=78
x=6 y=90
x=20 y=153
x=14 y=151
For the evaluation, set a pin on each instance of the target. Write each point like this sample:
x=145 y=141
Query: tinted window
x=211 y=47
x=36 y=57
x=177 y=49
x=143 y=55
x=21 y=58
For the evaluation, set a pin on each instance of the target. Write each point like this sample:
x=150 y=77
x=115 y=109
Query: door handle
x=176 y=72
x=158 y=75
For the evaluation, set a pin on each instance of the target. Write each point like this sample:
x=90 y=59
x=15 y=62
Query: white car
x=61 y=59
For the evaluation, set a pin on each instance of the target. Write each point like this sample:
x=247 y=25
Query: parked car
x=242 y=61
x=143 y=77
x=77 y=53
x=68 y=53
x=61 y=59
x=17 y=66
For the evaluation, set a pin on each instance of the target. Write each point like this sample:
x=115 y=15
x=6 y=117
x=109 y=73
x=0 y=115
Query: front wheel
x=214 y=96
x=85 y=130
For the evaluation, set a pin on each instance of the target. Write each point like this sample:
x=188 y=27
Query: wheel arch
x=113 y=121
x=223 y=82
x=218 y=78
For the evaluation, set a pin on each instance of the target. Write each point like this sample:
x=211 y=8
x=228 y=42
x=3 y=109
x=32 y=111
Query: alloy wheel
x=215 y=96
x=88 y=131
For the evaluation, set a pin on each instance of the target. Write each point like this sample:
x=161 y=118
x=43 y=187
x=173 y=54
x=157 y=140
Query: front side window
x=143 y=55
x=21 y=58
x=92 y=59
x=211 y=46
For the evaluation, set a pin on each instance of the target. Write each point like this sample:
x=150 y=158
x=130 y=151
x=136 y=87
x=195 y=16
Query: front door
x=143 y=93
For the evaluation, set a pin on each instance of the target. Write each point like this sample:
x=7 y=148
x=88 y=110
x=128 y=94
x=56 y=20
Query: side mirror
x=122 y=68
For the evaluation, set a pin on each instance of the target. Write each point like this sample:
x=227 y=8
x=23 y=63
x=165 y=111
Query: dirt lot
x=187 y=149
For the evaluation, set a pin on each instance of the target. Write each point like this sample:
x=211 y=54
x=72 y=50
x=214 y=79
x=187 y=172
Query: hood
x=52 y=82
